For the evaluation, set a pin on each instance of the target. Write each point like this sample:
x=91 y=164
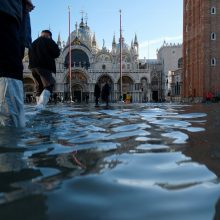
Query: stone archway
x=127 y=86
x=155 y=89
x=79 y=85
x=77 y=93
x=29 y=89
x=102 y=80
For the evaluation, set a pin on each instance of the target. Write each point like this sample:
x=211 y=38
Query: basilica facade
x=91 y=64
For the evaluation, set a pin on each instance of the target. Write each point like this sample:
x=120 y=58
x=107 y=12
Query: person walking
x=11 y=67
x=106 y=93
x=42 y=55
x=97 y=92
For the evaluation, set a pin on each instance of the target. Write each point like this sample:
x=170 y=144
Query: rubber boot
x=37 y=99
x=43 y=99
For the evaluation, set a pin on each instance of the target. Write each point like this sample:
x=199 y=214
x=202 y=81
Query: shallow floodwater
x=127 y=162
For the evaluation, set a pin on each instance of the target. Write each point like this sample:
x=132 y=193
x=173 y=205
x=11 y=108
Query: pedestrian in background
x=42 y=55
x=106 y=93
x=97 y=92
x=11 y=67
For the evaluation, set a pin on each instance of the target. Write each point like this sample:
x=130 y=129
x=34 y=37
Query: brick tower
x=201 y=48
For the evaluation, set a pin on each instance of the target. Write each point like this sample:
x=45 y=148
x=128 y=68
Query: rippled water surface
x=127 y=162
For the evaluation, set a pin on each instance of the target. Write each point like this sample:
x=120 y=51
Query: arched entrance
x=79 y=86
x=127 y=86
x=77 y=93
x=29 y=89
x=155 y=89
x=102 y=80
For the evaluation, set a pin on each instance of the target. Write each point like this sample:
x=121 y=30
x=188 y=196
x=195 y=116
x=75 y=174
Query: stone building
x=91 y=64
x=176 y=84
x=201 y=48
x=170 y=56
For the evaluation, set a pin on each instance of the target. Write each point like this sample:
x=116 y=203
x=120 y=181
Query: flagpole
x=70 y=58
x=121 y=97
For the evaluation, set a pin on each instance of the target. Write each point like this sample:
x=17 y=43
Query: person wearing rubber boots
x=12 y=20
x=42 y=55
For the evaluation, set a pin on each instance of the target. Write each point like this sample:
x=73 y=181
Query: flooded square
x=128 y=161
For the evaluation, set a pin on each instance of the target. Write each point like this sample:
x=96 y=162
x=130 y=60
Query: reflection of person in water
x=13 y=167
x=17 y=188
x=217 y=211
x=36 y=208
x=106 y=93
x=97 y=92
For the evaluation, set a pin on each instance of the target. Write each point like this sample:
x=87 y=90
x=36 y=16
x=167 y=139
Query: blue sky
x=152 y=20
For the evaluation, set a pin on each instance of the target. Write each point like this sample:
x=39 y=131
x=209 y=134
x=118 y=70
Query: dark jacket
x=42 y=54
x=25 y=29
x=12 y=8
x=97 y=91
x=105 y=91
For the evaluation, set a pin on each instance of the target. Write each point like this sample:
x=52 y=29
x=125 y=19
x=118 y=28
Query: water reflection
x=125 y=162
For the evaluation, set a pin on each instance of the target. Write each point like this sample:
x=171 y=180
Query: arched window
x=180 y=63
x=213 y=36
x=213 y=10
x=213 y=61
x=79 y=59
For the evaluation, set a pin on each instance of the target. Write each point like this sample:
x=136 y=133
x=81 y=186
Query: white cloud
x=148 y=48
x=160 y=41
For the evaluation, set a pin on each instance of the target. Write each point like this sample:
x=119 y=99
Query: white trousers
x=11 y=103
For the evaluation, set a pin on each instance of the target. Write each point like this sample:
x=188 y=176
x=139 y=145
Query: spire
x=82 y=25
x=59 y=38
x=135 y=40
x=76 y=29
x=113 y=41
x=86 y=18
x=132 y=44
x=103 y=45
x=59 y=43
x=94 y=40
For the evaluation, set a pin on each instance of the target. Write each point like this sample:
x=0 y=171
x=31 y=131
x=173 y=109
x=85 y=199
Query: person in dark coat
x=25 y=30
x=11 y=67
x=97 y=92
x=42 y=55
x=106 y=93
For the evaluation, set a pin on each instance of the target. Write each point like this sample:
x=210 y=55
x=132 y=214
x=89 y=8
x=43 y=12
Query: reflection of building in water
x=92 y=64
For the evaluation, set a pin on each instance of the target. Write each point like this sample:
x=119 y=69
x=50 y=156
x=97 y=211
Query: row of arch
x=81 y=88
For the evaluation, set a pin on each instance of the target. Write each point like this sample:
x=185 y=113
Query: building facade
x=170 y=56
x=201 y=48
x=176 y=84
x=91 y=64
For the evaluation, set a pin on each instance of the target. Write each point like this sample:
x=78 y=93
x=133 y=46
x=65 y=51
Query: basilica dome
x=83 y=33
x=125 y=46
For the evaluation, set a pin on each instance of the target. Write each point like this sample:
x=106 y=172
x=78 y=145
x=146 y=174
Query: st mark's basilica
x=141 y=79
